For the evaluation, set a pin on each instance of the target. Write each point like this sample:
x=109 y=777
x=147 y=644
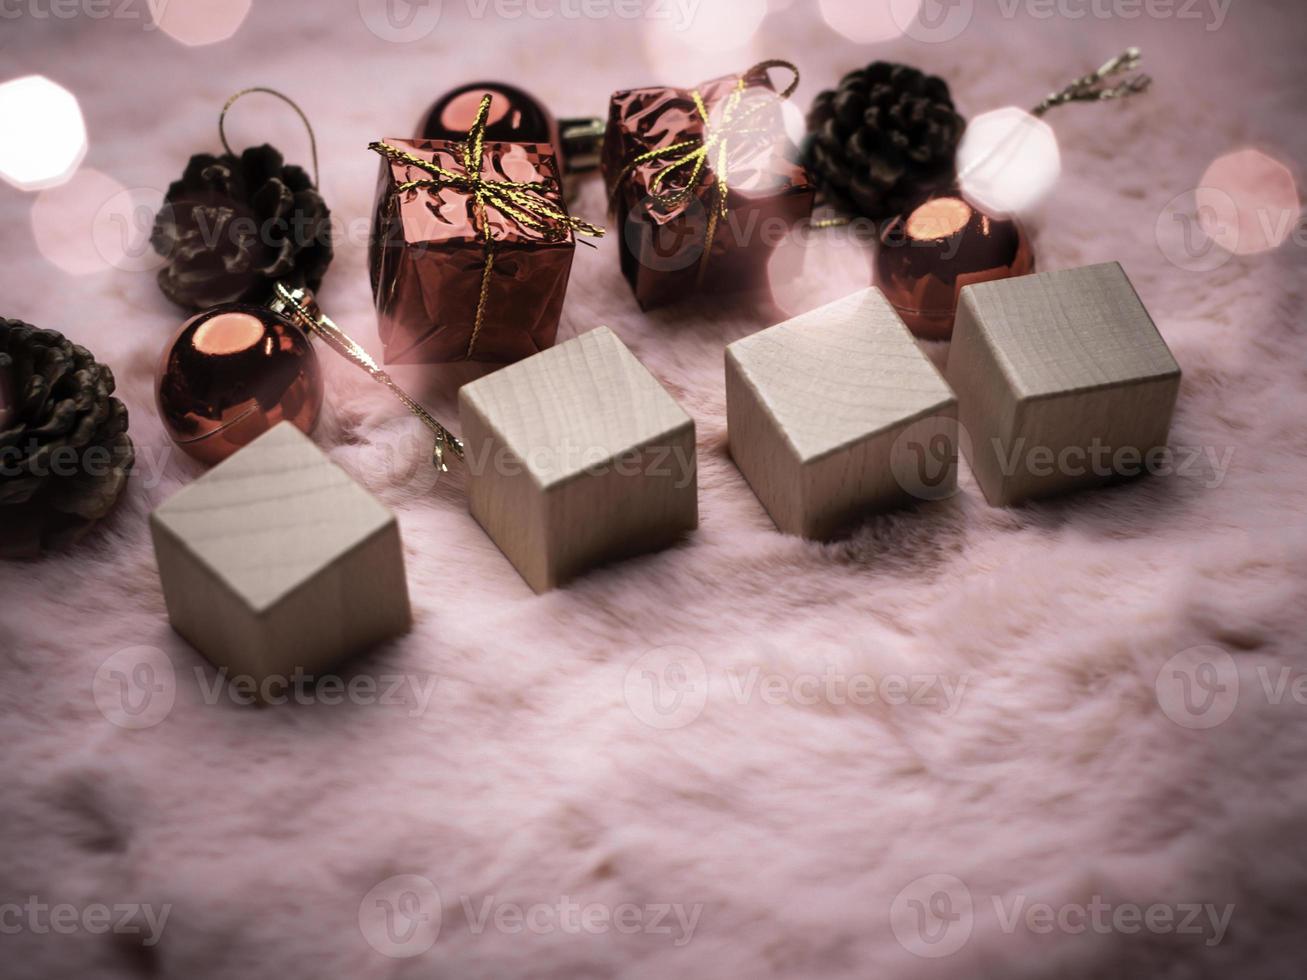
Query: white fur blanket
x=941 y=735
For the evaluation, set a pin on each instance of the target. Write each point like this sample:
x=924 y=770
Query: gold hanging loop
x=222 y=121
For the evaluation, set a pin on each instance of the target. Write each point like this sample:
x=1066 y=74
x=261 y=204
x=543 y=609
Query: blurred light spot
x=1248 y=202
x=756 y=157
x=1008 y=161
x=63 y=221
x=940 y=218
x=812 y=267
x=870 y=21
x=796 y=126
x=197 y=22
x=716 y=25
x=698 y=42
x=42 y=133
x=121 y=228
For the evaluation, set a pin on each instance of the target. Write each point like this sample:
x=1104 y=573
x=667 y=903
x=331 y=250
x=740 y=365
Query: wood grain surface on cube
x=576 y=456
x=837 y=413
x=1063 y=381
x=275 y=560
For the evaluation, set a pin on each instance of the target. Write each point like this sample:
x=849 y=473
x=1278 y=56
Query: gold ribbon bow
x=519 y=200
x=710 y=151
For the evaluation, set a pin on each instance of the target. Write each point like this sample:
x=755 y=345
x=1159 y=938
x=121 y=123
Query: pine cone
x=64 y=449
x=234 y=225
x=886 y=136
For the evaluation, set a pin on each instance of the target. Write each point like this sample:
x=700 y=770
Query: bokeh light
x=870 y=21
x=812 y=267
x=702 y=41
x=717 y=25
x=1248 y=202
x=42 y=133
x=64 y=218
x=1008 y=160
x=198 y=22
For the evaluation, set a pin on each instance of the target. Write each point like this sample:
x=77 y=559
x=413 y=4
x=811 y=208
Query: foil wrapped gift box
x=702 y=183
x=471 y=249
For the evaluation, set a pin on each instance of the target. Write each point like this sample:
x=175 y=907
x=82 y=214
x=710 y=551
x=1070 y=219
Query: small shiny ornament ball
x=945 y=243
x=230 y=374
x=515 y=116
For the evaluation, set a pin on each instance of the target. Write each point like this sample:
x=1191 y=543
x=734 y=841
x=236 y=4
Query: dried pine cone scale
x=64 y=449
x=886 y=135
x=232 y=226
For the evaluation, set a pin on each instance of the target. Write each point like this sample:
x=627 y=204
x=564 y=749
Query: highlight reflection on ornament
x=945 y=243
x=515 y=116
x=230 y=374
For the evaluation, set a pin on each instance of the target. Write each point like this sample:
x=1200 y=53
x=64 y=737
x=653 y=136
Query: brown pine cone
x=886 y=136
x=232 y=226
x=64 y=449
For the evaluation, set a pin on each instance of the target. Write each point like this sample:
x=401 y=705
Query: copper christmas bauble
x=230 y=374
x=515 y=117
x=943 y=244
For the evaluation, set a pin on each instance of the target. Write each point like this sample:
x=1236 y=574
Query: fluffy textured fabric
x=795 y=813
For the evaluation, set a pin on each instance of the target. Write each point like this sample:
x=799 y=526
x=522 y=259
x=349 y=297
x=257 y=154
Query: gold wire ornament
x=1094 y=88
x=298 y=304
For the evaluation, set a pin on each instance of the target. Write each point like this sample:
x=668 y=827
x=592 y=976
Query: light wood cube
x=837 y=413
x=275 y=560
x=1063 y=380
x=576 y=456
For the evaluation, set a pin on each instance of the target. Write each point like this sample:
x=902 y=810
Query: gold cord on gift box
x=710 y=151
x=519 y=200
x=298 y=304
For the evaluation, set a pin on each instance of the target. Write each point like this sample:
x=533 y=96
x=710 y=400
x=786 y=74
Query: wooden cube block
x=575 y=456
x=834 y=414
x=1063 y=381
x=276 y=560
